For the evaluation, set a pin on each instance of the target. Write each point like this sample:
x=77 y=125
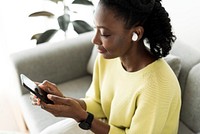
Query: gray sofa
x=68 y=63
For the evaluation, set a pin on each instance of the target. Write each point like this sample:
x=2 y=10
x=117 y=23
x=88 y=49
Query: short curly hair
x=152 y=16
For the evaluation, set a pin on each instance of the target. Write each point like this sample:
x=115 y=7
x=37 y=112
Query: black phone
x=33 y=88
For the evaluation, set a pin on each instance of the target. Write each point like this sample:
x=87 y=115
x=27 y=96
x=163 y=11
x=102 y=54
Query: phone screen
x=32 y=87
x=27 y=82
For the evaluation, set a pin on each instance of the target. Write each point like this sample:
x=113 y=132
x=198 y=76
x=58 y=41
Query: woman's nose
x=96 y=39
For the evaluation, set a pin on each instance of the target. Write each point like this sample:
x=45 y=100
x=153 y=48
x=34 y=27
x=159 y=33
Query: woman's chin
x=107 y=56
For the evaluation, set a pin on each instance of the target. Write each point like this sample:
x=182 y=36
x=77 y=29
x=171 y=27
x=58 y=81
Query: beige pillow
x=91 y=61
x=174 y=62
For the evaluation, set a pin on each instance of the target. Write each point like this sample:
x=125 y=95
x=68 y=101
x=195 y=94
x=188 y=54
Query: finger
x=60 y=100
x=56 y=110
x=35 y=101
x=33 y=97
x=48 y=86
x=43 y=105
x=48 y=107
x=37 y=83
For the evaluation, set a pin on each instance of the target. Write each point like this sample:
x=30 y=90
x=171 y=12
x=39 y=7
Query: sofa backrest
x=189 y=58
x=58 y=61
x=190 y=112
x=190 y=84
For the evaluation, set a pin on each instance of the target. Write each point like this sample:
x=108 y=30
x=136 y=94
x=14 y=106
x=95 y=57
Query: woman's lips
x=101 y=50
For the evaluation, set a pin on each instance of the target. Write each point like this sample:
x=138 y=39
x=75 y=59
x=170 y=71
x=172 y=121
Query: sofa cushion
x=173 y=61
x=76 y=88
x=37 y=119
x=190 y=112
x=189 y=56
x=183 y=129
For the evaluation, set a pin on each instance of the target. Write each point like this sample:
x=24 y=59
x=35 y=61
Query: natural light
x=17 y=28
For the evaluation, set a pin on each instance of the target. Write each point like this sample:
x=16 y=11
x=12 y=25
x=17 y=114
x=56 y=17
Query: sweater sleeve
x=93 y=98
x=157 y=109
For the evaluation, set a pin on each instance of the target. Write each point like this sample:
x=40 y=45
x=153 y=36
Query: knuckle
x=45 y=82
x=53 y=84
x=42 y=106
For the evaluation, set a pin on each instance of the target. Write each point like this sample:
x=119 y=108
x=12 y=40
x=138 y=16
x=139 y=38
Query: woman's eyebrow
x=102 y=27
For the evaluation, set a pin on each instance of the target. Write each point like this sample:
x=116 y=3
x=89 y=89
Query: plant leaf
x=83 y=2
x=46 y=36
x=56 y=1
x=36 y=36
x=81 y=26
x=64 y=21
x=42 y=13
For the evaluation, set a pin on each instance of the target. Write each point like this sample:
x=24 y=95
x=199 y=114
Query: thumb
x=46 y=89
x=59 y=100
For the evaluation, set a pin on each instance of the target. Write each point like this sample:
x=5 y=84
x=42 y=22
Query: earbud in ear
x=134 y=37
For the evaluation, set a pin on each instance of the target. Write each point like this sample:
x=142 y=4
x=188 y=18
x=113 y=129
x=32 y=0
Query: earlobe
x=134 y=37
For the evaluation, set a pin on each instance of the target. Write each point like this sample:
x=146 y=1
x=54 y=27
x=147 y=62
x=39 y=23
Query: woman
x=133 y=88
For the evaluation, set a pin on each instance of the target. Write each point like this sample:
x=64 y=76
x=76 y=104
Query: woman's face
x=111 y=37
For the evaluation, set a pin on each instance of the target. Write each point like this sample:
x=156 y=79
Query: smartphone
x=33 y=88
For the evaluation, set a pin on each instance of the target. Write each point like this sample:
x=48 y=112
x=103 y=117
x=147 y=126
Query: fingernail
x=49 y=89
x=38 y=102
x=49 y=95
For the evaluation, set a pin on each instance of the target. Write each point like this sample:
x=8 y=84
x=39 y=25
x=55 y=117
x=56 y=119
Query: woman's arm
x=73 y=108
x=68 y=107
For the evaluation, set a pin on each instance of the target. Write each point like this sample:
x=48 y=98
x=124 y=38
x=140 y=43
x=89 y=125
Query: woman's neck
x=137 y=58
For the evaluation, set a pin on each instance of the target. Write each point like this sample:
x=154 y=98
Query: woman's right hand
x=48 y=87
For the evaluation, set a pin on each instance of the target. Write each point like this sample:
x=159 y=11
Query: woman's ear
x=137 y=33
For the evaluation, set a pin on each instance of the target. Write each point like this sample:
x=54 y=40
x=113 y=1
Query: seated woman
x=133 y=88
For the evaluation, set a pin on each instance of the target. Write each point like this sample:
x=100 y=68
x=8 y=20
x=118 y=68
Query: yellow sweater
x=144 y=102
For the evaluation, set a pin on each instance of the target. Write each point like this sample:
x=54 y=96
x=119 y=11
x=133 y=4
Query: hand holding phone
x=33 y=88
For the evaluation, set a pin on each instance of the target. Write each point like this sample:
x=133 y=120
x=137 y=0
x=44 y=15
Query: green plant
x=79 y=26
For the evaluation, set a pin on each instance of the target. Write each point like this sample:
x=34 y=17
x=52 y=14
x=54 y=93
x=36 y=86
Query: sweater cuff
x=94 y=107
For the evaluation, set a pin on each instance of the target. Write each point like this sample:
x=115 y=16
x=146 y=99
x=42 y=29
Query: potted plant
x=64 y=20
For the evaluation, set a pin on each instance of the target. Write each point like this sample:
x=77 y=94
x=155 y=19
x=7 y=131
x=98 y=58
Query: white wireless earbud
x=134 y=37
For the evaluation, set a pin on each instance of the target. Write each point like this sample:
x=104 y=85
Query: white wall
x=16 y=30
x=185 y=16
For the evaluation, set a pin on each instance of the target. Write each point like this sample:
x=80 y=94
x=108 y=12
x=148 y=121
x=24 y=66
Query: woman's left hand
x=65 y=107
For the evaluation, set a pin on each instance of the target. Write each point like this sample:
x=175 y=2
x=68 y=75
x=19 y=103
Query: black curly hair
x=152 y=16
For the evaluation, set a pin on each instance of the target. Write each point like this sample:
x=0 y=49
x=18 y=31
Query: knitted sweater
x=147 y=101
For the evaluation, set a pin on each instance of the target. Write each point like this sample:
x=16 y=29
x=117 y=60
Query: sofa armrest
x=57 y=62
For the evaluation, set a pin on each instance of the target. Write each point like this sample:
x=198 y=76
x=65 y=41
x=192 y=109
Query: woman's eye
x=105 y=35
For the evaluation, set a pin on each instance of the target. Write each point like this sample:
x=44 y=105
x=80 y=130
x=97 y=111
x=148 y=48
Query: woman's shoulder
x=162 y=77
